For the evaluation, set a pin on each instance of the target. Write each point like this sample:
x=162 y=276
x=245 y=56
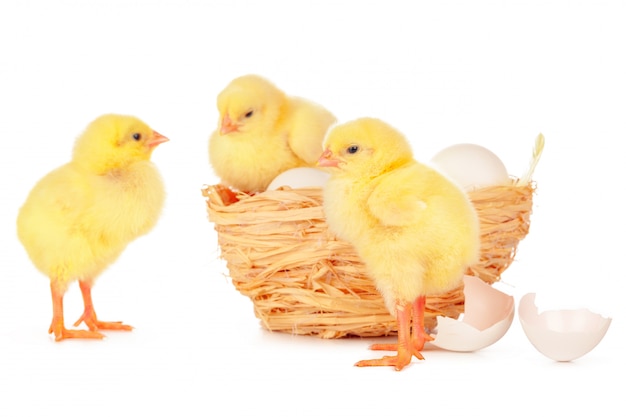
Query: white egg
x=487 y=317
x=471 y=166
x=299 y=178
x=561 y=335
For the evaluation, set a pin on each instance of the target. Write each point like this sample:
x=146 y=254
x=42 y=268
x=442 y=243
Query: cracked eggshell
x=471 y=166
x=487 y=317
x=300 y=178
x=561 y=335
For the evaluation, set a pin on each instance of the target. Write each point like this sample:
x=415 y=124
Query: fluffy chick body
x=415 y=230
x=80 y=217
x=74 y=223
x=263 y=132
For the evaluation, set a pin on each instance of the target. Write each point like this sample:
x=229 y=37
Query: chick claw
x=410 y=343
x=416 y=352
x=401 y=360
x=90 y=319
x=89 y=315
x=61 y=333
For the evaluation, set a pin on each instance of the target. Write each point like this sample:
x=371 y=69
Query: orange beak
x=156 y=139
x=327 y=160
x=228 y=126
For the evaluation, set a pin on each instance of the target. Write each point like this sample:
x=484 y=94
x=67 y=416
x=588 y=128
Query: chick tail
x=58 y=325
x=89 y=315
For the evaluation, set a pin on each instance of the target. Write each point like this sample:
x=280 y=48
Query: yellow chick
x=79 y=218
x=415 y=230
x=263 y=132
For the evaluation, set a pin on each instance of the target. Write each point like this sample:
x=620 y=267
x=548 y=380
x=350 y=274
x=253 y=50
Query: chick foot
x=61 y=333
x=225 y=194
x=90 y=318
x=58 y=325
x=402 y=359
x=410 y=343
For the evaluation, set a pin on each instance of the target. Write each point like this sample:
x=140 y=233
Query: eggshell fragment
x=487 y=317
x=561 y=335
x=300 y=178
x=471 y=166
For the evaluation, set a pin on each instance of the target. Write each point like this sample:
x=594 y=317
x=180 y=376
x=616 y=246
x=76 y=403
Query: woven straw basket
x=303 y=280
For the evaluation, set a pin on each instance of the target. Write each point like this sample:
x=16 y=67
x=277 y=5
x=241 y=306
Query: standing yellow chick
x=263 y=132
x=415 y=230
x=79 y=218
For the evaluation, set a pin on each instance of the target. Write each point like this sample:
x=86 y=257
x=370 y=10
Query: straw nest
x=303 y=280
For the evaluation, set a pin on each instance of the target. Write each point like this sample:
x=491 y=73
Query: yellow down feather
x=79 y=218
x=415 y=230
x=262 y=132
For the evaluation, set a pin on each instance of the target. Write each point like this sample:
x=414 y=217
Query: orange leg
x=410 y=343
x=419 y=336
x=89 y=315
x=58 y=325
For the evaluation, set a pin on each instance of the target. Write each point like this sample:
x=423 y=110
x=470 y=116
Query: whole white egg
x=300 y=178
x=471 y=166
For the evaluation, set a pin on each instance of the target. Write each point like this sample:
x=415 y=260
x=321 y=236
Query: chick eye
x=136 y=136
x=249 y=114
x=352 y=149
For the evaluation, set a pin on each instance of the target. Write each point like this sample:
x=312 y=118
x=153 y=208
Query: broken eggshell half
x=561 y=335
x=487 y=317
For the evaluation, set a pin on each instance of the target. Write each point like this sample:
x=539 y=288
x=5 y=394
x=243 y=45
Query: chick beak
x=156 y=139
x=228 y=126
x=327 y=160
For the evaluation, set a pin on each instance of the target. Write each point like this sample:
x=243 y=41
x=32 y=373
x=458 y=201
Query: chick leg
x=418 y=335
x=58 y=326
x=89 y=315
x=404 y=348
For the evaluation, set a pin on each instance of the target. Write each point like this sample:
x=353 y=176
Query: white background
x=490 y=72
